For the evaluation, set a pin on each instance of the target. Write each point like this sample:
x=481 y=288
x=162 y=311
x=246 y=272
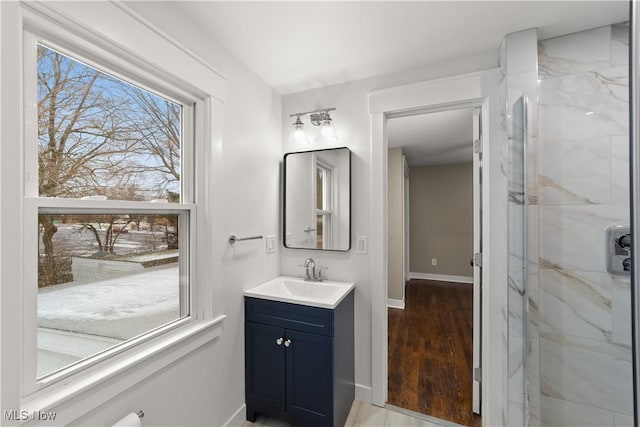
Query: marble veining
x=576 y=303
x=620 y=169
x=586 y=50
x=587 y=371
x=557 y=412
x=621 y=309
x=573 y=238
x=581 y=106
x=564 y=179
x=580 y=320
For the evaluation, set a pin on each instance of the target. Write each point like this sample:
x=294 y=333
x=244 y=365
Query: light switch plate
x=271 y=244
x=361 y=244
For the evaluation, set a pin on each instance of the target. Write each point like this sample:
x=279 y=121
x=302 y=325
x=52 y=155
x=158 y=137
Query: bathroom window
x=111 y=209
x=112 y=277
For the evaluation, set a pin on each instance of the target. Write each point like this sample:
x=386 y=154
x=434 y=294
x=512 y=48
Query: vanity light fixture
x=317 y=118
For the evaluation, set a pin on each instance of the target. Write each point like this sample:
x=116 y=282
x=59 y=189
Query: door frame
x=480 y=89
x=406 y=244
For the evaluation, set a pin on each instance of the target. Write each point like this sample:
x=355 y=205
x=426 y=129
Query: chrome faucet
x=310 y=268
x=309 y=263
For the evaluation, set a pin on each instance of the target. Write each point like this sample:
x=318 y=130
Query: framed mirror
x=317 y=200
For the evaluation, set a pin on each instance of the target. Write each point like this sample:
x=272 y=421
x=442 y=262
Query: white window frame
x=94 y=42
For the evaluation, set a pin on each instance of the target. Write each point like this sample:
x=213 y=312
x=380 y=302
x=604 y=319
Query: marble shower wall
x=582 y=186
x=521 y=64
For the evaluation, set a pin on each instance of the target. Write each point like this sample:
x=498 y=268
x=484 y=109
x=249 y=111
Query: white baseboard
x=395 y=303
x=238 y=418
x=441 y=277
x=363 y=393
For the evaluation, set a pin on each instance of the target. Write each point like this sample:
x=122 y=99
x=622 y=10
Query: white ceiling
x=299 y=45
x=433 y=139
x=294 y=46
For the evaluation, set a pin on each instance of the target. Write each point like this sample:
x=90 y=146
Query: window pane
x=101 y=136
x=103 y=279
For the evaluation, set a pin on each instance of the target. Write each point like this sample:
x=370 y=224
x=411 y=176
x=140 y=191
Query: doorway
x=478 y=89
x=434 y=231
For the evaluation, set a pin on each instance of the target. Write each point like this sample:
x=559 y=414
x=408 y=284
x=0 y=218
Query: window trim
x=207 y=89
x=32 y=208
x=34 y=203
x=328 y=200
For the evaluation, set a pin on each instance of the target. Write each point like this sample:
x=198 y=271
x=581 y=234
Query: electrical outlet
x=434 y=261
x=361 y=245
x=271 y=244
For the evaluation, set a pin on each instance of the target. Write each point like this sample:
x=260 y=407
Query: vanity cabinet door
x=265 y=365
x=309 y=378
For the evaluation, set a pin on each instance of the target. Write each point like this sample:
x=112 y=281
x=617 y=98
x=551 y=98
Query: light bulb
x=299 y=134
x=328 y=131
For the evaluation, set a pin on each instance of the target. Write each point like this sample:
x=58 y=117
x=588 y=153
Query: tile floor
x=366 y=415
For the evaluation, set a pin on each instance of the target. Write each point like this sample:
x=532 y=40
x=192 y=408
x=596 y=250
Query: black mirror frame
x=284 y=200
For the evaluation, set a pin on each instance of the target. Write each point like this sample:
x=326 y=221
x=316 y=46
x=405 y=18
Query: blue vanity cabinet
x=265 y=368
x=299 y=363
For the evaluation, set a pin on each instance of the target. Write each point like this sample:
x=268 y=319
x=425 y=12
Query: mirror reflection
x=317 y=200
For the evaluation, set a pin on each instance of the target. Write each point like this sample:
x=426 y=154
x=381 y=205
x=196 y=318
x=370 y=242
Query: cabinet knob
x=287 y=343
x=279 y=341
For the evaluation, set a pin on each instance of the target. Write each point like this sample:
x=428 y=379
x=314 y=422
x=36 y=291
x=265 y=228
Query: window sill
x=122 y=371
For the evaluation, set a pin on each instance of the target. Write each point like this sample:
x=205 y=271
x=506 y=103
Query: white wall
x=207 y=386
x=353 y=126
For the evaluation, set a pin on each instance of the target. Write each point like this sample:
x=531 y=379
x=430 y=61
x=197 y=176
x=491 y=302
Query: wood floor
x=431 y=351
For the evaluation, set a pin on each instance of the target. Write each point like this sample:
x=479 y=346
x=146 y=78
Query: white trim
x=395 y=303
x=363 y=393
x=171 y=40
x=441 y=277
x=126 y=371
x=470 y=90
x=378 y=258
x=91 y=28
x=238 y=418
x=93 y=23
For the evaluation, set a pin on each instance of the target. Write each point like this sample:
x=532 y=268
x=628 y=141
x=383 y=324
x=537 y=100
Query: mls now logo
x=15 y=415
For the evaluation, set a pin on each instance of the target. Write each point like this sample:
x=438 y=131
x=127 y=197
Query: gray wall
x=395 y=289
x=441 y=219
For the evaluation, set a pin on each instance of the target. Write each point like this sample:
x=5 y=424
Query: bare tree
x=98 y=135
x=106 y=237
x=83 y=137
x=75 y=143
x=157 y=122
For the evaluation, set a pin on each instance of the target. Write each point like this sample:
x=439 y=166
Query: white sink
x=325 y=294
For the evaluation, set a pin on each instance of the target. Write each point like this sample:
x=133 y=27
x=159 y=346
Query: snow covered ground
x=103 y=313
